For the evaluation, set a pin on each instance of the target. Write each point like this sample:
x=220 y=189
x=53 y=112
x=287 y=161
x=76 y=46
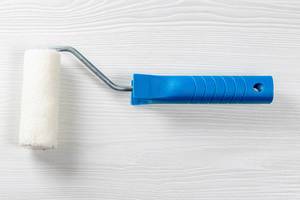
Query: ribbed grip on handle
x=201 y=89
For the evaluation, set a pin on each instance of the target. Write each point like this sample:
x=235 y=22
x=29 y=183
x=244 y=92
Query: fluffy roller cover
x=40 y=99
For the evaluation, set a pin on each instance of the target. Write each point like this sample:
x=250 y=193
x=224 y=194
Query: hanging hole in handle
x=258 y=87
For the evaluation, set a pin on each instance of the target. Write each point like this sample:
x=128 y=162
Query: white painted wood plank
x=111 y=150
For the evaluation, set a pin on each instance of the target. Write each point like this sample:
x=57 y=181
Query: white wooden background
x=112 y=150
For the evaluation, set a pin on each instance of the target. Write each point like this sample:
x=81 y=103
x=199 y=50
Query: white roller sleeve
x=40 y=100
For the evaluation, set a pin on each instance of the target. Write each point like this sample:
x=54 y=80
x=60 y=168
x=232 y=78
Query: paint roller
x=40 y=92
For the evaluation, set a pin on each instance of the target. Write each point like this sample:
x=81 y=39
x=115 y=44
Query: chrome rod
x=93 y=68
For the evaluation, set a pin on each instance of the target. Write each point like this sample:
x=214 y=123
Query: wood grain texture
x=111 y=150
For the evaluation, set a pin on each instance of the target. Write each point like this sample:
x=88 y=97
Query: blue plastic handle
x=147 y=89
